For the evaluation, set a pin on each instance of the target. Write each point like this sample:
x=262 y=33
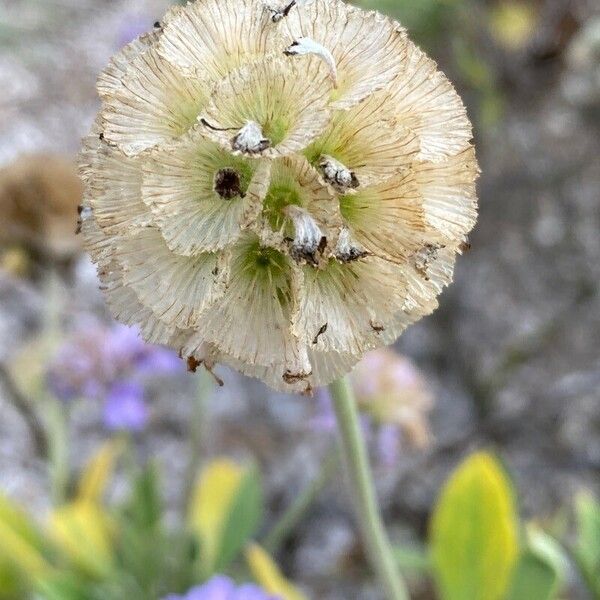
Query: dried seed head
x=244 y=209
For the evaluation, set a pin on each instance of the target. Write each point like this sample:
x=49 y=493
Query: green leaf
x=534 y=577
x=143 y=548
x=474 y=532
x=62 y=586
x=145 y=506
x=12 y=583
x=243 y=519
x=21 y=545
x=587 y=549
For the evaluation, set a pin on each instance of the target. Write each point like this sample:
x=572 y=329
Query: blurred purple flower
x=158 y=361
x=125 y=409
x=97 y=361
x=324 y=419
x=224 y=588
x=389 y=439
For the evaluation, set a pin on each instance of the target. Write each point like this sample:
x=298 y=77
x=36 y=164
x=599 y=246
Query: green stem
x=205 y=383
x=58 y=451
x=290 y=519
x=354 y=449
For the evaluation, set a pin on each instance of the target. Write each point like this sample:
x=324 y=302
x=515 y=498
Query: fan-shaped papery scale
x=367 y=140
x=110 y=78
x=152 y=103
x=116 y=190
x=424 y=287
x=388 y=219
x=367 y=47
x=251 y=322
x=342 y=306
x=126 y=307
x=449 y=193
x=325 y=368
x=179 y=189
x=425 y=102
x=288 y=99
x=211 y=38
x=178 y=289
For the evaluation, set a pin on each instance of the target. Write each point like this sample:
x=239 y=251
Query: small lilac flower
x=110 y=363
x=125 y=409
x=224 y=588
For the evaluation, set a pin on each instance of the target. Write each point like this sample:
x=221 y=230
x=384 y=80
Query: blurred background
x=509 y=363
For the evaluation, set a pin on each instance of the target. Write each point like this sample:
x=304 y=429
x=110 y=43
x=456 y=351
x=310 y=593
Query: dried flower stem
x=362 y=489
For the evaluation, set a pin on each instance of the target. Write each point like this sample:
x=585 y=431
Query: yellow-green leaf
x=95 y=476
x=243 y=519
x=269 y=576
x=18 y=551
x=211 y=502
x=21 y=543
x=82 y=531
x=587 y=549
x=474 y=532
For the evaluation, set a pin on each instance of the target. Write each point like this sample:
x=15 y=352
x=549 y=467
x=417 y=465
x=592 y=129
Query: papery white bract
x=280 y=189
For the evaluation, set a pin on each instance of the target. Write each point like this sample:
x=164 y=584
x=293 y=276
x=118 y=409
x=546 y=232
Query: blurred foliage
x=91 y=551
x=479 y=550
x=587 y=548
x=268 y=574
x=469 y=38
x=424 y=19
x=226 y=511
x=474 y=532
x=512 y=23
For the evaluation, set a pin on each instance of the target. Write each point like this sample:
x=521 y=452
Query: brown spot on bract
x=290 y=378
x=193 y=364
x=321 y=331
x=376 y=327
